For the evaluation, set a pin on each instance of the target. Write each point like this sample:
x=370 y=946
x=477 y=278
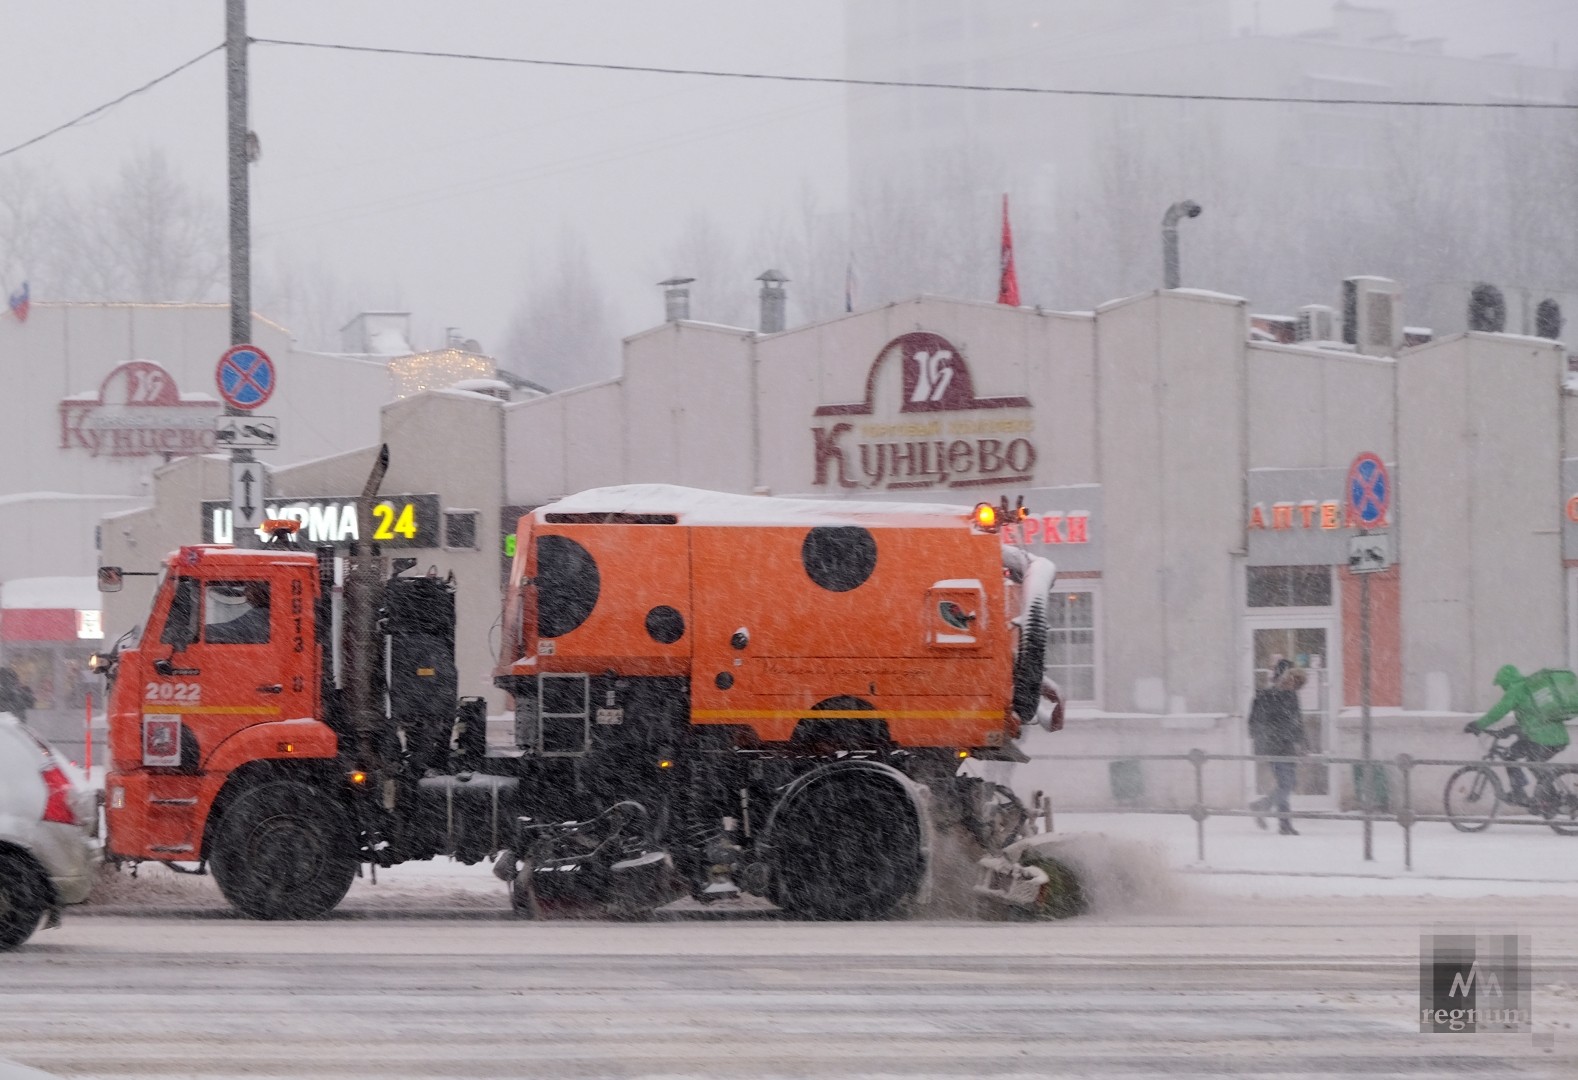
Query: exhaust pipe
x=363 y=580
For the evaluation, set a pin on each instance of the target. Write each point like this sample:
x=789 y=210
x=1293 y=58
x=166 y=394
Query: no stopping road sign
x=245 y=376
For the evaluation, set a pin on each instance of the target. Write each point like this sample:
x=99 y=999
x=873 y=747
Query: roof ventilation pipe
x=676 y=298
x=774 y=301
x=1175 y=213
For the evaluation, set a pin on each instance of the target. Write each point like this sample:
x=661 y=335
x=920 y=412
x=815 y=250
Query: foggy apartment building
x=1295 y=196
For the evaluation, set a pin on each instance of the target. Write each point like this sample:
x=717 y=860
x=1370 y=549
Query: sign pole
x=1366 y=776
x=1369 y=497
x=240 y=233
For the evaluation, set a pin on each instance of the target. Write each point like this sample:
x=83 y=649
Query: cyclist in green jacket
x=1541 y=735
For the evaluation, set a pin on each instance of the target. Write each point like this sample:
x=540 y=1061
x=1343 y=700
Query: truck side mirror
x=110 y=579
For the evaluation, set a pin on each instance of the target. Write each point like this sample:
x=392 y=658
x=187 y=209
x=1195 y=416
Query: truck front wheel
x=284 y=850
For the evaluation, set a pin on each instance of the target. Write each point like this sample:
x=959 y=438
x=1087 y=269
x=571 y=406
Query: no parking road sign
x=1369 y=491
x=245 y=376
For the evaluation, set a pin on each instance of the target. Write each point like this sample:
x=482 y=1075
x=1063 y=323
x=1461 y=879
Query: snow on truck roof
x=693 y=506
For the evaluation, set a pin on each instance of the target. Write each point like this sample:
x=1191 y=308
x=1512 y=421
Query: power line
x=97 y=109
x=835 y=80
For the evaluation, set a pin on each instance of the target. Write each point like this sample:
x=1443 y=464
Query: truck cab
x=224 y=674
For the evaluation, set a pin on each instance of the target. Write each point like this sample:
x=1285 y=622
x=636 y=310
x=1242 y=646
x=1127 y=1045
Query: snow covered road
x=1221 y=986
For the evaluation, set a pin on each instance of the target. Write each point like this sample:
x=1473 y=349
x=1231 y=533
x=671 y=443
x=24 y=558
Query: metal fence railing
x=1367 y=814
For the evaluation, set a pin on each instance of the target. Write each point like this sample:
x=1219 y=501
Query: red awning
x=38 y=624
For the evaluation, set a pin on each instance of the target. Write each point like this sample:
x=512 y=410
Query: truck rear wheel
x=284 y=850
x=846 y=845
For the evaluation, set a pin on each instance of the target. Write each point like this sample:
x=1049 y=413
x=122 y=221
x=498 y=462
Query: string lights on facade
x=437 y=369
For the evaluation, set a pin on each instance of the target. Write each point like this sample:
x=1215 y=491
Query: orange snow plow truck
x=713 y=694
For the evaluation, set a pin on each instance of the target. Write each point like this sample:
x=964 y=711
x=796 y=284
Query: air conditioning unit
x=1316 y=322
x=1371 y=315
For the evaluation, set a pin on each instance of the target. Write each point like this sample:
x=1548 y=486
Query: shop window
x=1071 y=644
x=1289 y=586
x=460 y=530
x=35 y=669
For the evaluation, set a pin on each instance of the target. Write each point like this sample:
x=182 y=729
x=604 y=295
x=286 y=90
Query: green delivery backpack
x=1555 y=693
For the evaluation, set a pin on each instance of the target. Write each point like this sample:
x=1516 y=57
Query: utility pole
x=240 y=229
x=240 y=218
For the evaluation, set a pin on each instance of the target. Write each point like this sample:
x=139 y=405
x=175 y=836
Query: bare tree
x=312 y=302
x=560 y=334
x=812 y=248
x=722 y=266
x=937 y=235
x=145 y=235
x=153 y=236
x=27 y=224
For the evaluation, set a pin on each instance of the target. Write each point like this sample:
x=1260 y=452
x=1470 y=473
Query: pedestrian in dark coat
x=1276 y=729
x=15 y=697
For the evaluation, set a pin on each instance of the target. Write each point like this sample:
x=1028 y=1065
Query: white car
x=47 y=856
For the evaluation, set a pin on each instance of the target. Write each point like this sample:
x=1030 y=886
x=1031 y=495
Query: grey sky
x=438 y=182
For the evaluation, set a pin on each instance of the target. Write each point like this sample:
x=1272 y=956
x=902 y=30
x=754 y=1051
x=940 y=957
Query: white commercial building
x=1189 y=482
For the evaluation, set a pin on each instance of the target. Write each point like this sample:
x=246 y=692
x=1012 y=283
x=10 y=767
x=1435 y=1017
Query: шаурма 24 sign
x=399 y=521
x=941 y=435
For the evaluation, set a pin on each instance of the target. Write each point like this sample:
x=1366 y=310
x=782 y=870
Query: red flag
x=1008 y=283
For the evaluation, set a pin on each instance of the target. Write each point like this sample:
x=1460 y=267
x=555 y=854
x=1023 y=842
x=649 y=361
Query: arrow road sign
x=247 y=432
x=245 y=376
x=246 y=495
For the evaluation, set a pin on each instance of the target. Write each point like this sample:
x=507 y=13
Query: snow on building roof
x=693 y=506
x=66 y=496
x=78 y=593
x=1209 y=294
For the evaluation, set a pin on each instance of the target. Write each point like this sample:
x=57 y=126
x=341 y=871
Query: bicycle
x=1474 y=794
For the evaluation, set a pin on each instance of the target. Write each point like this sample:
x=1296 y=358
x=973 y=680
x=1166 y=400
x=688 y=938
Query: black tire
x=284 y=850
x=1471 y=798
x=846 y=846
x=24 y=897
x=1563 y=818
x=1030 y=661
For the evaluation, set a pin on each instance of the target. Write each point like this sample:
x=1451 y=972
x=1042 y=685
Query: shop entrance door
x=1311 y=645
